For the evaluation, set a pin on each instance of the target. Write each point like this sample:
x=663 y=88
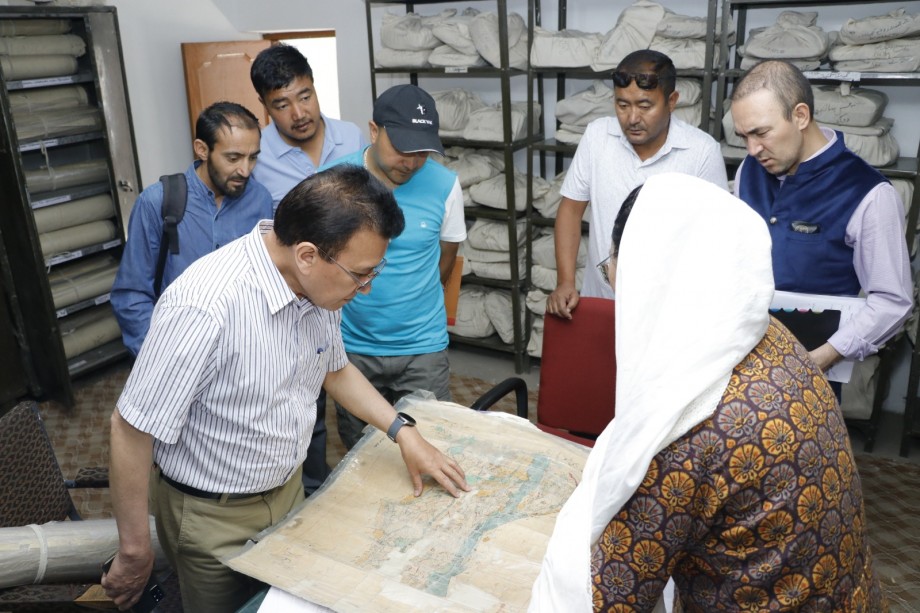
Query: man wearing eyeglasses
x=222 y=398
x=616 y=155
x=397 y=335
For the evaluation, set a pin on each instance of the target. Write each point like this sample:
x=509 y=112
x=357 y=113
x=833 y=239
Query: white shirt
x=227 y=378
x=606 y=168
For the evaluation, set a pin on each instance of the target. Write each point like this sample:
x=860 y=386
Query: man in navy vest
x=836 y=222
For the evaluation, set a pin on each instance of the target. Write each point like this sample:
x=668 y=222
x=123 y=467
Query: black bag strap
x=175 y=196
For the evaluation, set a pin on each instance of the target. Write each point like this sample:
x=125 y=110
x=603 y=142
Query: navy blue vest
x=821 y=195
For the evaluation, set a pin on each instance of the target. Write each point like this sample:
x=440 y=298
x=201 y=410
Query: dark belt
x=191 y=491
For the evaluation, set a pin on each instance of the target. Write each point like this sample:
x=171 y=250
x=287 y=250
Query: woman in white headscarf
x=727 y=466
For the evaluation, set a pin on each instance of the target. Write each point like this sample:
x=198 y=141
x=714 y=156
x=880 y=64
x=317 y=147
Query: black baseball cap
x=411 y=120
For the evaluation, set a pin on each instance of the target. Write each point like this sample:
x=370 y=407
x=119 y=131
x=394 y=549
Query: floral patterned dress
x=758 y=508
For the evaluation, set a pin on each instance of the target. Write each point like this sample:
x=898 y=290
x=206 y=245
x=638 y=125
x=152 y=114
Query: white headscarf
x=694 y=282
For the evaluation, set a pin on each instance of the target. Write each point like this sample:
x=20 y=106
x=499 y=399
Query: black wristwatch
x=402 y=419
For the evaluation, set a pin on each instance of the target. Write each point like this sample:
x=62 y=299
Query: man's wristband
x=402 y=419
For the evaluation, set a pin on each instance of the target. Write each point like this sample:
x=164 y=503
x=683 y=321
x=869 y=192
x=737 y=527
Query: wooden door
x=220 y=71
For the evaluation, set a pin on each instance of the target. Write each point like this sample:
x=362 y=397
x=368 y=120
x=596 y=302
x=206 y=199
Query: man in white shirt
x=614 y=157
x=222 y=398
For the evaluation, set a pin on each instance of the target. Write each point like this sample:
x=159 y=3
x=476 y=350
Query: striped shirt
x=227 y=379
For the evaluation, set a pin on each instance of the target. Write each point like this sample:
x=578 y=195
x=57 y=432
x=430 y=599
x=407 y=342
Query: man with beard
x=222 y=205
x=616 y=155
x=299 y=138
x=836 y=222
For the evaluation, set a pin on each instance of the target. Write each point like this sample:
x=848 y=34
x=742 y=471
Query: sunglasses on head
x=643 y=80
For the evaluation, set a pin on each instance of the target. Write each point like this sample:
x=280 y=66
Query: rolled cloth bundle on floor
x=76 y=237
x=66 y=175
x=88 y=329
x=33 y=27
x=37 y=66
x=73 y=213
x=38 y=100
x=60 y=552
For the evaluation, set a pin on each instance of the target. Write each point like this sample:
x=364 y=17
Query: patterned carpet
x=891 y=487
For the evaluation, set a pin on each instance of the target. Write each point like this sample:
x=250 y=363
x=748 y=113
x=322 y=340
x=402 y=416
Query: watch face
x=407 y=419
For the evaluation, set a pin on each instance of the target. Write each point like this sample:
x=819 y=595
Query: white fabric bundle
x=411 y=32
x=76 y=237
x=500 y=271
x=493 y=235
x=673 y=25
x=802 y=64
x=793 y=36
x=454 y=108
x=876 y=150
x=56 y=123
x=88 y=329
x=905 y=189
x=848 y=106
x=900 y=55
x=455 y=31
x=543 y=251
x=493 y=192
x=896 y=24
x=487 y=124
x=634 y=30
x=567 y=137
x=535 y=344
x=52 y=98
x=489 y=256
x=565 y=48
x=57 y=44
x=581 y=108
x=33 y=27
x=690 y=91
x=71 y=286
x=471 y=320
x=484 y=31
x=545 y=278
x=501 y=314
x=76 y=212
x=474 y=167
x=692 y=115
x=67 y=175
x=548 y=205
x=37 y=66
x=445 y=55
x=535 y=301
x=396 y=58
x=686 y=53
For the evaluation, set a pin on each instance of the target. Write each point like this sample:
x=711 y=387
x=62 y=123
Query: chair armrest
x=511 y=384
x=97 y=476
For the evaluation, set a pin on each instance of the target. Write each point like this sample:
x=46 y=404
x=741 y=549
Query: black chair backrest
x=31 y=482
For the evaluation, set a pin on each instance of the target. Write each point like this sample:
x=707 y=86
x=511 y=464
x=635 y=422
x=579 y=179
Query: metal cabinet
x=69 y=173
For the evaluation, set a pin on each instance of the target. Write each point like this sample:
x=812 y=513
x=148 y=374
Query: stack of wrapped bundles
x=449 y=39
x=794 y=37
x=473 y=166
x=38 y=48
x=885 y=43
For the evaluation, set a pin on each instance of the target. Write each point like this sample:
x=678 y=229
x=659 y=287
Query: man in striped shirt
x=222 y=398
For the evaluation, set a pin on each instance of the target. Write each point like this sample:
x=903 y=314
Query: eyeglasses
x=603 y=268
x=643 y=80
x=355 y=277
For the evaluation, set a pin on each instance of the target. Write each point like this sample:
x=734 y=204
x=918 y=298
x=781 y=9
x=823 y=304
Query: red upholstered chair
x=577 y=374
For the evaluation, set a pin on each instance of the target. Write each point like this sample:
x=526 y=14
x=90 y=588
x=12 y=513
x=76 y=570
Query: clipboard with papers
x=813 y=318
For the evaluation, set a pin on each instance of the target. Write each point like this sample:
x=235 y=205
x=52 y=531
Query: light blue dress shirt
x=282 y=166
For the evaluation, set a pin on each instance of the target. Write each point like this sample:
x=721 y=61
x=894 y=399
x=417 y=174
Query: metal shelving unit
x=36 y=322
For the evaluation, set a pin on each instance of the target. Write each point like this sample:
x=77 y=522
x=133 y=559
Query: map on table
x=364 y=542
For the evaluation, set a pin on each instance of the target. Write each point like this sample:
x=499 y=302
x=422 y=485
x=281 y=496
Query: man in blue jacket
x=222 y=205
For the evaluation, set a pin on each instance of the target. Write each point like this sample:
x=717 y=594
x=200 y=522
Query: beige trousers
x=196 y=532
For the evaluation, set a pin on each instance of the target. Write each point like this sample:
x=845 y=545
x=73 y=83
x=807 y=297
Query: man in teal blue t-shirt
x=397 y=334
